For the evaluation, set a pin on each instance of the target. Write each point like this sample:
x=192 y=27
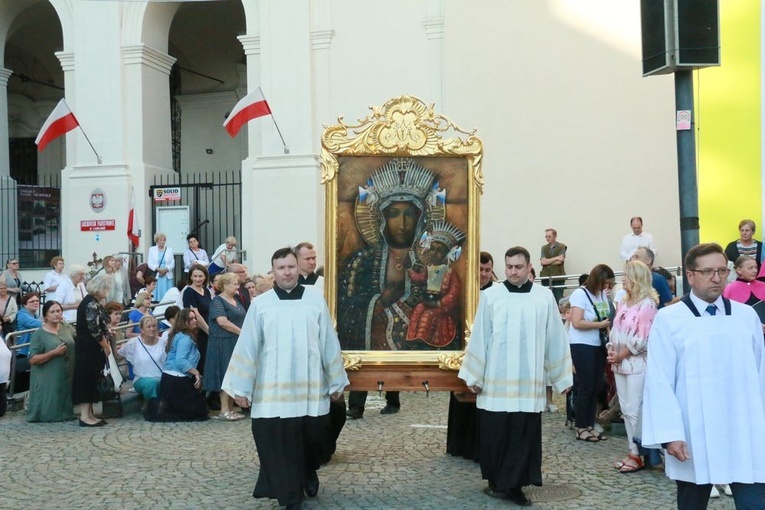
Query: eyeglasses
x=707 y=273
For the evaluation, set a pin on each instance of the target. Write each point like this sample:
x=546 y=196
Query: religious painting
x=401 y=274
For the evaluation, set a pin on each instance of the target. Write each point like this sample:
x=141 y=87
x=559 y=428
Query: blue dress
x=221 y=343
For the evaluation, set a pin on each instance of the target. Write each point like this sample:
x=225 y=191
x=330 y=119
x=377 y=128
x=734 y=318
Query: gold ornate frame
x=402 y=127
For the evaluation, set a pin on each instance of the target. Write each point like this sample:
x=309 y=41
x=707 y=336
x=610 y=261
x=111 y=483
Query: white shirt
x=579 y=299
x=516 y=338
x=705 y=385
x=632 y=242
x=287 y=360
x=143 y=360
x=53 y=278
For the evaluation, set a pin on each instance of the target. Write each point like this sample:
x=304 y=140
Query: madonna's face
x=400 y=223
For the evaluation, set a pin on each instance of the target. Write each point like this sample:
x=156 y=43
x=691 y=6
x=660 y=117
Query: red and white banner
x=97 y=225
x=59 y=122
x=132 y=227
x=251 y=106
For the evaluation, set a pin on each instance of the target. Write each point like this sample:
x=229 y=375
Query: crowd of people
x=675 y=381
x=675 y=369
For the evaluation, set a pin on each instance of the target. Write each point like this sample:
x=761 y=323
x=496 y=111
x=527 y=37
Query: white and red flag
x=60 y=122
x=132 y=227
x=251 y=106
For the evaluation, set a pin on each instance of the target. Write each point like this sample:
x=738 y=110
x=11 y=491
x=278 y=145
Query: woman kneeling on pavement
x=180 y=397
x=146 y=353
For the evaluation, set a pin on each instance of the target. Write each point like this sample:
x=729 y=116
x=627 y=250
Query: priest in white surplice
x=704 y=397
x=516 y=336
x=286 y=365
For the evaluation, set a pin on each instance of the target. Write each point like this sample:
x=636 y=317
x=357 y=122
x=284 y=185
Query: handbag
x=105 y=385
x=7 y=327
x=602 y=332
x=108 y=388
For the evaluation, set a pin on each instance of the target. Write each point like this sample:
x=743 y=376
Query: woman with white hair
x=224 y=255
x=71 y=291
x=161 y=260
x=91 y=347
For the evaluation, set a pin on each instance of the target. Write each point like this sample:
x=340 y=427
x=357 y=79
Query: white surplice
x=287 y=360
x=705 y=385
x=516 y=336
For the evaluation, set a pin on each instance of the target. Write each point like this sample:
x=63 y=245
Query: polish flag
x=132 y=228
x=251 y=106
x=60 y=122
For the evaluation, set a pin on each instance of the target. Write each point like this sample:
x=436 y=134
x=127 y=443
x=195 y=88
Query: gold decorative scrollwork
x=453 y=361
x=403 y=126
x=450 y=361
x=351 y=362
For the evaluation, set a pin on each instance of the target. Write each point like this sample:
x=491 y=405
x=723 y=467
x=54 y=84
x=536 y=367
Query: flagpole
x=286 y=149
x=98 y=158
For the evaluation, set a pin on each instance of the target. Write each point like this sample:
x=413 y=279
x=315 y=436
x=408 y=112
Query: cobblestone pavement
x=382 y=462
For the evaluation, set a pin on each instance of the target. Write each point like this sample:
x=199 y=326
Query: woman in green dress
x=51 y=355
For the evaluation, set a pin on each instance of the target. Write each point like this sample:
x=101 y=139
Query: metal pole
x=686 y=168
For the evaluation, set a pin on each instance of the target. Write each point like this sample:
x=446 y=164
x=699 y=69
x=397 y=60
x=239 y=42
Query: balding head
x=239 y=270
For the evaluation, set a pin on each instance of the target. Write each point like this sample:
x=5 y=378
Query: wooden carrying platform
x=405 y=377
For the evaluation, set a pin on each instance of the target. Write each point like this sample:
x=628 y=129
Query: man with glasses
x=704 y=397
x=242 y=295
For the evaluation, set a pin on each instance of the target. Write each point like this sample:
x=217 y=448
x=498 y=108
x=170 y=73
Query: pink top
x=741 y=291
x=632 y=324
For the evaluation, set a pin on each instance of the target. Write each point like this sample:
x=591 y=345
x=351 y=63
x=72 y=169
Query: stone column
x=434 y=29
x=9 y=238
x=5 y=163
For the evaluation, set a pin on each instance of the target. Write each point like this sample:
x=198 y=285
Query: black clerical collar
x=491 y=282
x=295 y=293
x=311 y=279
x=523 y=289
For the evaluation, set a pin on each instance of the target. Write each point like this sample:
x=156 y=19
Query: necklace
x=399 y=259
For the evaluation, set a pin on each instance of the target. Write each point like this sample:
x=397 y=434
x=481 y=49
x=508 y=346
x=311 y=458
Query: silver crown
x=446 y=233
x=402 y=177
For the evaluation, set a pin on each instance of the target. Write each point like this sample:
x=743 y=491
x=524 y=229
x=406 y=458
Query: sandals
x=586 y=435
x=600 y=435
x=230 y=416
x=631 y=464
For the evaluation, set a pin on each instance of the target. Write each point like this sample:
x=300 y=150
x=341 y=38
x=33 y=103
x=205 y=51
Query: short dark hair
x=598 y=276
x=50 y=304
x=202 y=269
x=192 y=236
x=486 y=258
x=26 y=297
x=665 y=273
x=518 y=250
x=554 y=232
x=282 y=253
x=171 y=311
x=300 y=246
x=636 y=218
x=113 y=306
x=701 y=250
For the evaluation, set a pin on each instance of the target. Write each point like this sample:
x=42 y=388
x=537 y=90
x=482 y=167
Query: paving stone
x=382 y=462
